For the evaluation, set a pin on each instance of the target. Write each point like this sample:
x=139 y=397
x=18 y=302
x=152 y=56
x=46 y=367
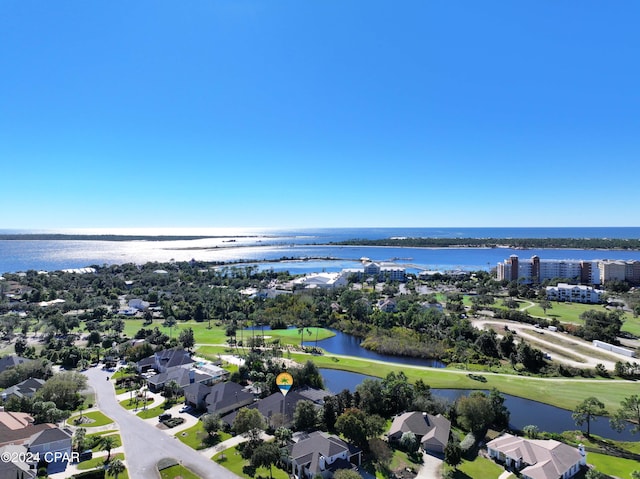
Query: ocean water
x=301 y=247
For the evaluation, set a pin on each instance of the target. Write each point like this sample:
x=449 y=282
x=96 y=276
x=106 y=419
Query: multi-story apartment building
x=536 y=270
x=573 y=293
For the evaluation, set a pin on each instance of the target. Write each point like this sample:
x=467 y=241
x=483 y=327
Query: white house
x=537 y=458
x=321 y=280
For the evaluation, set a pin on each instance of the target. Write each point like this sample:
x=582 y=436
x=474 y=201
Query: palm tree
x=116 y=467
x=108 y=443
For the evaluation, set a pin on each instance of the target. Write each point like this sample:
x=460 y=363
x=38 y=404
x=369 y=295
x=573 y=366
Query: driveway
x=431 y=467
x=145 y=444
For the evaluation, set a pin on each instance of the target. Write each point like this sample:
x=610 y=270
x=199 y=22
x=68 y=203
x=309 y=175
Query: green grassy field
x=97 y=417
x=561 y=392
x=177 y=472
x=153 y=412
x=564 y=393
x=98 y=461
x=216 y=335
x=479 y=468
x=194 y=436
x=570 y=313
x=613 y=466
x=233 y=461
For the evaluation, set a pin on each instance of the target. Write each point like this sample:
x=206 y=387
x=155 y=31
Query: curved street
x=144 y=444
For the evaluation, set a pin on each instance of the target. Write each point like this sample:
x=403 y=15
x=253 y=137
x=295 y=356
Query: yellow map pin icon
x=284 y=382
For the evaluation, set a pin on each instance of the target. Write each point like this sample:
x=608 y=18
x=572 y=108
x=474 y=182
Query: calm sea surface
x=302 y=247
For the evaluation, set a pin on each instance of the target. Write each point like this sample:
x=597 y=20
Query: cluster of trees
x=574 y=243
x=628 y=414
x=54 y=401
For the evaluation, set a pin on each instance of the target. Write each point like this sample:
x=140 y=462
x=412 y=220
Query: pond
x=523 y=411
x=349 y=345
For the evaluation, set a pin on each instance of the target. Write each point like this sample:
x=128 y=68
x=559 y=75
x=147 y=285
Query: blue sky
x=319 y=113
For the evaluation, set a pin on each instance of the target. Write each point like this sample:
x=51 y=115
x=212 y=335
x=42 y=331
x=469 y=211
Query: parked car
x=164 y=417
x=185 y=408
x=85 y=455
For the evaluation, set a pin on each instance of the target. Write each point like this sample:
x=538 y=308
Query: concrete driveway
x=145 y=444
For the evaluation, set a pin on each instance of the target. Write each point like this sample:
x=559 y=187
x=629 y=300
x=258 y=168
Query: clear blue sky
x=207 y=113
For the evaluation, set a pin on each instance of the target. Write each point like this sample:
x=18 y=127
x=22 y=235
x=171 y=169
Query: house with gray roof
x=26 y=388
x=277 y=409
x=16 y=469
x=182 y=376
x=320 y=453
x=431 y=431
x=10 y=361
x=54 y=445
x=226 y=397
x=166 y=359
x=537 y=458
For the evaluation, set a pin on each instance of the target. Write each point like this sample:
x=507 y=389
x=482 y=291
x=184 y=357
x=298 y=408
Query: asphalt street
x=144 y=444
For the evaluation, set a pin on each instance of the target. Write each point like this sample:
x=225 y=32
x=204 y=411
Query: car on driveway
x=186 y=408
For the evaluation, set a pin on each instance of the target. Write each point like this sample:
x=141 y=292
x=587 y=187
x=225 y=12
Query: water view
x=523 y=411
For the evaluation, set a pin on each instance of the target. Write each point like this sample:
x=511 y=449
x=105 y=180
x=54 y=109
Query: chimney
x=192 y=376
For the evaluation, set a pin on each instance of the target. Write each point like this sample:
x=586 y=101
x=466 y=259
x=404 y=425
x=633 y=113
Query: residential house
x=18 y=427
x=277 y=409
x=26 y=388
x=163 y=360
x=221 y=398
x=11 y=361
x=431 y=431
x=15 y=469
x=537 y=458
x=320 y=453
x=182 y=376
x=54 y=443
x=387 y=305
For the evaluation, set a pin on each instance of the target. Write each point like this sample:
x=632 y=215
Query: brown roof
x=17 y=427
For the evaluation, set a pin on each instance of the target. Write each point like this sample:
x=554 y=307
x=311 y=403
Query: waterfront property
x=537 y=458
x=597 y=271
x=431 y=431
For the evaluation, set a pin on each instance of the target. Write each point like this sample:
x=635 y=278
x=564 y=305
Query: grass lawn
x=193 y=437
x=401 y=460
x=216 y=335
x=129 y=404
x=479 y=468
x=153 y=412
x=118 y=441
x=177 y=471
x=98 y=419
x=613 y=466
x=570 y=313
x=564 y=393
x=98 y=462
x=232 y=460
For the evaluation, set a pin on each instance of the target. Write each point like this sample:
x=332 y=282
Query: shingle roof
x=179 y=375
x=224 y=395
x=274 y=404
x=427 y=426
x=547 y=459
x=10 y=361
x=49 y=435
x=308 y=451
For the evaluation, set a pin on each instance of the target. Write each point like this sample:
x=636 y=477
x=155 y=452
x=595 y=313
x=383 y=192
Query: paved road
x=144 y=444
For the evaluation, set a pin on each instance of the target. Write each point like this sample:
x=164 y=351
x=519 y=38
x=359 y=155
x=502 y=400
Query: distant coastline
x=111 y=237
